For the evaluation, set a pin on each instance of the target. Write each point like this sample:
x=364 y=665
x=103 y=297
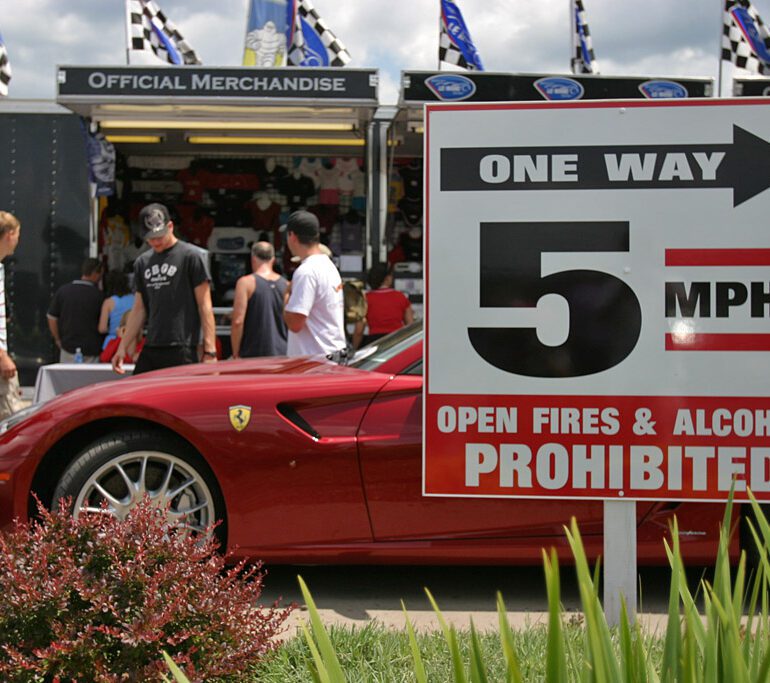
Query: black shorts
x=159 y=357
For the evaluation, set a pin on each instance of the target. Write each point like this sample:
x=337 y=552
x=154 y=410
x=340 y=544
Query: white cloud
x=646 y=37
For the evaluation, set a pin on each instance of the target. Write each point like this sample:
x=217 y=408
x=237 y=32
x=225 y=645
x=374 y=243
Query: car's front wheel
x=120 y=470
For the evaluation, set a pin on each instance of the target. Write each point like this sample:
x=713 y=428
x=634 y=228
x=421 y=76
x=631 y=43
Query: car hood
x=268 y=365
x=274 y=376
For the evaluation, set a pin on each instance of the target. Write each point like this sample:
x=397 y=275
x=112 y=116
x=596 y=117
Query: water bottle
x=78 y=355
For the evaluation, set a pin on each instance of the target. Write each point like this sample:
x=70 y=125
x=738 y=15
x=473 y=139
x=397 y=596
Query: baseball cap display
x=154 y=220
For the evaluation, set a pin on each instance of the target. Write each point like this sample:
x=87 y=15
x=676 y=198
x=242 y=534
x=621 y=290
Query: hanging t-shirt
x=297 y=191
x=351 y=232
x=265 y=219
x=316 y=292
x=411 y=211
x=270 y=180
x=309 y=167
x=328 y=185
x=346 y=165
x=412 y=176
x=167 y=283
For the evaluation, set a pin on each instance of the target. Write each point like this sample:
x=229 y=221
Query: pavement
x=354 y=596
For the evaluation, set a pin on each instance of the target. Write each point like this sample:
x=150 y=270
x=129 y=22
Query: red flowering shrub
x=99 y=599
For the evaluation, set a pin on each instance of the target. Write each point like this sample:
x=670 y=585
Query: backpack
x=355 y=301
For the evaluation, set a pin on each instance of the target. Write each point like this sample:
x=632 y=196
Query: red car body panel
x=329 y=468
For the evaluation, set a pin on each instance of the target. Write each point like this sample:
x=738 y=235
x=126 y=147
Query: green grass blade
x=513 y=668
x=419 y=668
x=556 y=661
x=478 y=670
x=697 y=630
x=733 y=666
x=600 y=648
x=176 y=672
x=763 y=673
x=761 y=520
x=450 y=635
x=670 y=664
x=627 y=655
x=751 y=645
x=739 y=587
x=318 y=672
x=325 y=648
x=597 y=574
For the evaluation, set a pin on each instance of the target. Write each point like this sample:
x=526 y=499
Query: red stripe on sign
x=718 y=342
x=718 y=257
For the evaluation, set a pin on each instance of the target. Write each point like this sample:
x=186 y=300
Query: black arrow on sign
x=745 y=167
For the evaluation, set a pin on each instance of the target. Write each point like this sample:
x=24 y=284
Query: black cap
x=154 y=220
x=304 y=224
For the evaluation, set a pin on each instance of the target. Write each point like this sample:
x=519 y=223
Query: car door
x=390 y=450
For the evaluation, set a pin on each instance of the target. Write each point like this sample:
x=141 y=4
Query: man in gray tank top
x=257 y=327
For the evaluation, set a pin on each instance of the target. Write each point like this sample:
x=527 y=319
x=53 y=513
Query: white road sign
x=597 y=299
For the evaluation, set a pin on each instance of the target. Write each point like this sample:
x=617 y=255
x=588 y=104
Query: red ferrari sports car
x=304 y=461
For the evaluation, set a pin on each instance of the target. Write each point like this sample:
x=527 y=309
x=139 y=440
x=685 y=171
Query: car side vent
x=297 y=420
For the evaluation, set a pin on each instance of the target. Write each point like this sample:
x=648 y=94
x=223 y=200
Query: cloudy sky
x=630 y=37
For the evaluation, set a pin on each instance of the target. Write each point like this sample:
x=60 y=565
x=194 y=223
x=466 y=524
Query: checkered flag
x=745 y=38
x=583 y=59
x=151 y=31
x=455 y=45
x=311 y=42
x=5 y=69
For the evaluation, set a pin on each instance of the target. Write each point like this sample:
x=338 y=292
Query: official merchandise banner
x=236 y=83
x=597 y=300
x=428 y=86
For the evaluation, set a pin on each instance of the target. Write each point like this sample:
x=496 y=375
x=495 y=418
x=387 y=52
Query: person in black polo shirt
x=73 y=316
x=173 y=296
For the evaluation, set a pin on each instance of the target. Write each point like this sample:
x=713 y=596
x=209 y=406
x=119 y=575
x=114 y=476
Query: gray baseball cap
x=154 y=219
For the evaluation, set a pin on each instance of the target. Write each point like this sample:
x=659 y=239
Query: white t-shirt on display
x=316 y=292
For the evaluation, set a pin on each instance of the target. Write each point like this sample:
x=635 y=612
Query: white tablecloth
x=57 y=378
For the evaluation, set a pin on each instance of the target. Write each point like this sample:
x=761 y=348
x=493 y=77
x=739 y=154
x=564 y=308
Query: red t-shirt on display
x=385 y=310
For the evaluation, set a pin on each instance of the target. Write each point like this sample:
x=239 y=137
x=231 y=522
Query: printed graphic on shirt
x=158 y=276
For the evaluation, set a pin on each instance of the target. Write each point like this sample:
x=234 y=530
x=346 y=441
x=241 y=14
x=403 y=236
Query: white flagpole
x=438 y=52
x=249 y=8
x=721 y=33
x=572 y=29
x=127 y=16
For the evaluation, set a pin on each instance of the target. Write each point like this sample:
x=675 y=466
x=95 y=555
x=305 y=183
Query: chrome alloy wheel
x=168 y=481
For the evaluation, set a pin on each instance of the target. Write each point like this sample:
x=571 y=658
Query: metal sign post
x=619 y=559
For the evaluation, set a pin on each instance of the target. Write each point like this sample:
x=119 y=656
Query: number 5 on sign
x=605 y=315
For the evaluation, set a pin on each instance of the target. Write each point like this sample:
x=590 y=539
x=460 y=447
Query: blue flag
x=583 y=59
x=455 y=43
x=311 y=42
x=745 y=37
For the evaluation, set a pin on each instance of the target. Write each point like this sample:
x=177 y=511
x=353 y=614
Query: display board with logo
x=597 y=300
x=428 y=86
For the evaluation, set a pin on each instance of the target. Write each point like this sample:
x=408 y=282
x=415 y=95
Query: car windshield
x=373 y=355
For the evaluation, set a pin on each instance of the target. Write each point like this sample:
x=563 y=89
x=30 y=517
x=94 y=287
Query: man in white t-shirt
x=314 y=309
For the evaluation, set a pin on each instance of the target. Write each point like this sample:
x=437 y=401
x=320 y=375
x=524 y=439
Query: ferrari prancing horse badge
x=239 y=417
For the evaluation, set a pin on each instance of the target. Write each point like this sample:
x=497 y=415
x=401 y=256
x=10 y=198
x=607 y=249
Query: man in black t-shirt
x=73 y=316
x=173 y=295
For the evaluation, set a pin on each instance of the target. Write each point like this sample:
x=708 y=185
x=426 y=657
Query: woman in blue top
x=119 y=300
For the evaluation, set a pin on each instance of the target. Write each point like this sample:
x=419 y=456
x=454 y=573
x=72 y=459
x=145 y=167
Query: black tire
x=128 y=465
